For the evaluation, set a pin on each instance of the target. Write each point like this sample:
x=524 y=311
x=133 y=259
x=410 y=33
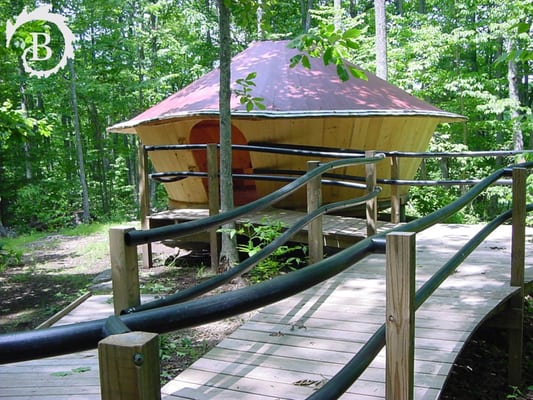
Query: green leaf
x=357 y=73
x=523 y=27
x=351 y=33
x=251 y=75
x=341 y=72
x=260 y=105
x=294 y=61
x=305 y=62
x=328 y=56
x=61 y=373
x=80 y=370
x=351 y=44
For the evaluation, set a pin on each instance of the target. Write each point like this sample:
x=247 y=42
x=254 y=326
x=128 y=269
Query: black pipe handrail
x=173 y=176
x=335 y=152
x=341 y=382
x=250 y=262
x=232 y=303
x=157 y=234
x=20 y=346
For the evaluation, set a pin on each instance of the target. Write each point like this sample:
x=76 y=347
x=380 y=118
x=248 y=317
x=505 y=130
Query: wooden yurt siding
x=389 y=133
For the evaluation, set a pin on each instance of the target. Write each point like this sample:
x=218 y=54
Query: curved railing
x=162 y=317
x=21 y=346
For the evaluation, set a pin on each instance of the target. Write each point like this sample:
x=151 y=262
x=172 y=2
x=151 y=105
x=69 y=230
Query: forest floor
x=56 y=269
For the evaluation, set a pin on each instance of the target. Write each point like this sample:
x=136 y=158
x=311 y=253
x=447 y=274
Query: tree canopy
x=469 y=57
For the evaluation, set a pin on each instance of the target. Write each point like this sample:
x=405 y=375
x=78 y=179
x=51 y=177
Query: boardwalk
x=338 y=231
x=291 y=347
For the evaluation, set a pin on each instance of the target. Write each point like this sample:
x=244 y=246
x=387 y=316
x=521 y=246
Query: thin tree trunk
x=100 y=167
x=24 y=108
x=512 y=78
x=306 y=5
x=337 y=18
x=381 y=40
x=228 y=253
x=79 y=147
x=260 y=12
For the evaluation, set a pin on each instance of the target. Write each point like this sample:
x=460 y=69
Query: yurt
x=302 y=107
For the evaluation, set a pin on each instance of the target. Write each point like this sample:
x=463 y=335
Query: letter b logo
x=39 y=44
x=40 y=49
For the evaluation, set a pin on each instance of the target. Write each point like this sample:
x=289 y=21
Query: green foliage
x=517 y=393
x=14 y=124
x=44 y=205
x=244 y=92
x=284 y=258
x=454 y=55
x=334 y=47
x=9 y=257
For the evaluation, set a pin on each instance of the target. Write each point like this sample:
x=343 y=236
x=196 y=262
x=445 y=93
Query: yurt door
x=206 y=132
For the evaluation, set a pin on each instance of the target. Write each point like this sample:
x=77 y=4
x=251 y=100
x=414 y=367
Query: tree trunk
x=79 y=147
x=306 y=5
x=512 y=79
x=381 y=40
x=101 y=164
x=24 y=108
x=228 y=253
x=337 y=18
x=259 y=14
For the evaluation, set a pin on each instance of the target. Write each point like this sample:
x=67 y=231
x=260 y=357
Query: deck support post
x=213 y=184
x=400 y=315
x=129 y=366
x=395 y=213
x=315 y=232
x=371 y=205
x=144 y=202
x=517 y=276
x=124 y=270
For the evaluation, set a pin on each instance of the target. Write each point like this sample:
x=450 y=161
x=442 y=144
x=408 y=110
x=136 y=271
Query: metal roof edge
x=129 y=126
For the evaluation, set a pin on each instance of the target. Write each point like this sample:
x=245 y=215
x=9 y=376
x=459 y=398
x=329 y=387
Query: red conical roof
x=289 y=92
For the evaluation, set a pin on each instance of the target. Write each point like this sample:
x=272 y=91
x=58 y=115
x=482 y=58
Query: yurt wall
x=388 y=133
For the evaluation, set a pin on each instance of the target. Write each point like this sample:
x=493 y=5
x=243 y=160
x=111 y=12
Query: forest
x=58 y=164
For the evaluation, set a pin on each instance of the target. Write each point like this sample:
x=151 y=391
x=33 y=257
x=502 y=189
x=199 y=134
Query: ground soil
x=53 y=272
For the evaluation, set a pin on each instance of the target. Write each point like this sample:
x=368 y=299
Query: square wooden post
x=124 y=270
x=144 y=202
x=400 y=316
x=129 y=366
x=516 y=320
x=315 y=232
x=395 y=205
x=371 y=205
x=213 y=185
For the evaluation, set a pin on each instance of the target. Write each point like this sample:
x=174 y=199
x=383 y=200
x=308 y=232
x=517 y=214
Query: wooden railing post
x=124 y=270
x=315 y=231
x=214 y=200
x=517 y=276
x=144 y=202
x=371 y=205
x=400 y=315
x=129 y=366
x=395 y=214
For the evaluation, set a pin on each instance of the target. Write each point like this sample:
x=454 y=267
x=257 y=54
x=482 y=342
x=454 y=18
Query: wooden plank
x=60 y=314
x=339 y=231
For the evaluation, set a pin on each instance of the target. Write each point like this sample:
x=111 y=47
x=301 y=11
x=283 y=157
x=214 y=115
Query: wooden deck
x=289 y=348
x=338 y=231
